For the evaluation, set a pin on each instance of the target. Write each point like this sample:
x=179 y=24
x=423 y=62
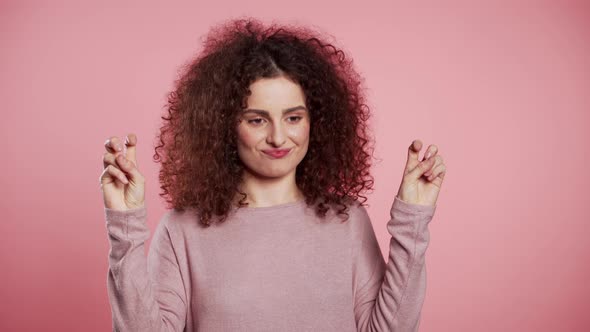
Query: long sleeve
x=146 y=294
x=389 y=297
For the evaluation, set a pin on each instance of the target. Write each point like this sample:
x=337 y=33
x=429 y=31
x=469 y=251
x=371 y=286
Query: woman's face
x=276 y=118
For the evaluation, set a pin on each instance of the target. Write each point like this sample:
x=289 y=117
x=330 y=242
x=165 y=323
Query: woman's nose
x=276 y=135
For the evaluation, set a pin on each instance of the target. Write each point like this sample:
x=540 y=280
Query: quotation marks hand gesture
x=423 y=179
x=123 y=186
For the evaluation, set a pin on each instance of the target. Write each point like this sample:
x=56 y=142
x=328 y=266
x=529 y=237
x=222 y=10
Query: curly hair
x=197 y=145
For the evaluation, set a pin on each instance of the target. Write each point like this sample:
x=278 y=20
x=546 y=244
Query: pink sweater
x=272 y=268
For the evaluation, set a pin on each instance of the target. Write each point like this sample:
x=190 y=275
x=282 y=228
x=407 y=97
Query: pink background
x=501 y=87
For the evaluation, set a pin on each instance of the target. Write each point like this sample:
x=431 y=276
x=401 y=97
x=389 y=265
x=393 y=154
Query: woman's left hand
x=422 y=179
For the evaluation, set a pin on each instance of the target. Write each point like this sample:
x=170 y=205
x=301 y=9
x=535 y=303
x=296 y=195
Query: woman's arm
x=389 y=297
x=145 y=294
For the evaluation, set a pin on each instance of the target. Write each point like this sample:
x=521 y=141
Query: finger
x=413 y=152
x=111 y=173
x=437 y=161
x=438 y=170
x=422 y=167
x=108 y=159
x=129 y=168
x=430 y=152
x=131 y=143
x=114 y=145
x=442 y=174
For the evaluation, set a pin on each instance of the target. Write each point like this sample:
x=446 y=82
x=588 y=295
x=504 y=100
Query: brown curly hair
x=197 y=146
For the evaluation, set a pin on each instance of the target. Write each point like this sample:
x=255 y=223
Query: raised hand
x=122 y=185
x=422 y=180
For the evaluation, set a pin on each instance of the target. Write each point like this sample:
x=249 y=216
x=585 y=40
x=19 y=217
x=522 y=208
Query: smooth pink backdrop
x=501 y=87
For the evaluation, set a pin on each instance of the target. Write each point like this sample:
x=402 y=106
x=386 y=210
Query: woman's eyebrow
x=285 y=111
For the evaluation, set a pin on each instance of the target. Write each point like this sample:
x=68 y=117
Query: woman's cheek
x=252 y=137
x=300 y=132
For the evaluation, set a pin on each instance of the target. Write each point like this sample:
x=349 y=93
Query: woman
x=264 y=156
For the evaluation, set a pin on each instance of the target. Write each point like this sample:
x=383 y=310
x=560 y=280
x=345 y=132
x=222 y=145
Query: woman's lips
x=277 y=153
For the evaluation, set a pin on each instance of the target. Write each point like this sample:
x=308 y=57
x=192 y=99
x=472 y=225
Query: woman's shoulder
x=177 y=220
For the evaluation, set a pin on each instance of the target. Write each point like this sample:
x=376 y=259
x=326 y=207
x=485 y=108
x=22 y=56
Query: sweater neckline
x=274 y=208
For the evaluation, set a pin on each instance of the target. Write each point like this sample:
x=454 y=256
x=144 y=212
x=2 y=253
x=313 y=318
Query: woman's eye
x=258 y=121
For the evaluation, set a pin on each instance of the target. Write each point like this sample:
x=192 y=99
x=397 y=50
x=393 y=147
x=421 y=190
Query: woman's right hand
x=122 y=185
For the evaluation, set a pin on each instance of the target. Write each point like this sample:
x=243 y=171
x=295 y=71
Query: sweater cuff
x=408 y=208
x=118 y=216
x=128 y=224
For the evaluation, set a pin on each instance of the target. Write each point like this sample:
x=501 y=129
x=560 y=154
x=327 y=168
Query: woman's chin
x=272 y=174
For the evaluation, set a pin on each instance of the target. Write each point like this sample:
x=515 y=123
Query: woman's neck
x=263 y=192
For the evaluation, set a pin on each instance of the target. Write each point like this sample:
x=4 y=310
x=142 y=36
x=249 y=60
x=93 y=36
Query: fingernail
x=119 y=148
x=427 y=155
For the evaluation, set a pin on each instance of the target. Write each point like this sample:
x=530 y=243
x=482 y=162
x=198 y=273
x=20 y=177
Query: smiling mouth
x=277 y=154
